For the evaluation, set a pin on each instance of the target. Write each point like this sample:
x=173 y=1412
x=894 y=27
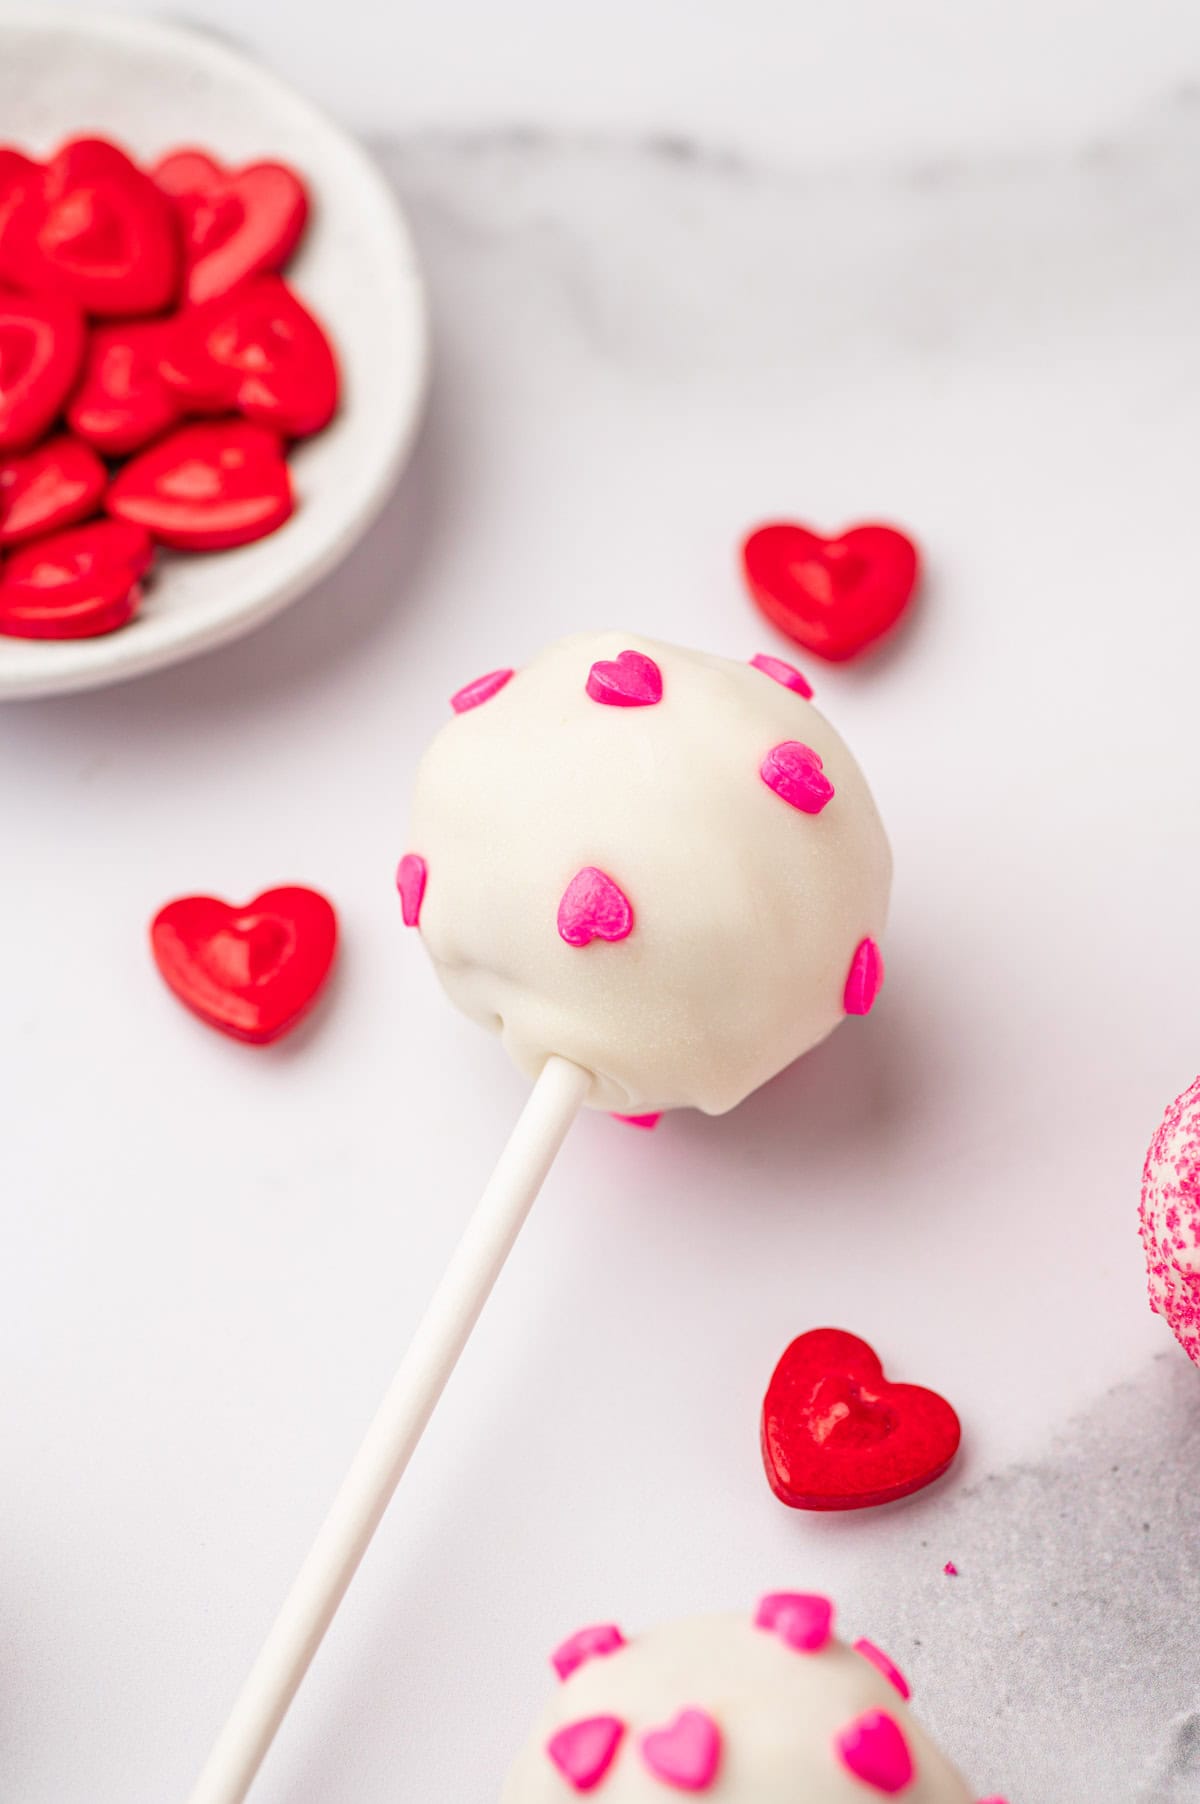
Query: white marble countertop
x=662 y=314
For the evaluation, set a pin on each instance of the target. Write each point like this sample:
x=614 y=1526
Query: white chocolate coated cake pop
x=764 y=1710
x=663 y=866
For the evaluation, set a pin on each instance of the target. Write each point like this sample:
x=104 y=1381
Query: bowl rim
x=72 y=665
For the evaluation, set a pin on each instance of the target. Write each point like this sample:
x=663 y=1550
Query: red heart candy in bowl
x=122 y=400
x=96 y=228
x=252 y=972
x=77 y=584
x=838 y=1435
x=59 y=482
x=236 y=223
x=833 y=596
x=205 y=488
x=41 y=350
x=258 y=350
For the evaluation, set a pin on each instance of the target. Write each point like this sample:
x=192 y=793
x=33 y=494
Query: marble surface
x=788 y=79
x=211 y=1257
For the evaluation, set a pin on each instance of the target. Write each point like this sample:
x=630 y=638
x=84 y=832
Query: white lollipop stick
x=392 y=1438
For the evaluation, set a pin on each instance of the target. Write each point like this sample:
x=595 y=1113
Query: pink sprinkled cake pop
x=1170 y=1220
x=764 y=1710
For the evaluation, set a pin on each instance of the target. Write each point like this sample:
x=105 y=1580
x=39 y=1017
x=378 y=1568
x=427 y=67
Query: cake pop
x=768 y=1709
x=663 y=866
x=661 y=877
x=1170 y=1220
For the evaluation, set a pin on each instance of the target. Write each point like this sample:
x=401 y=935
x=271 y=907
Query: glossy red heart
x=57 y=483
x=833 y=596
x=75 y=584
x=41 y=351
x=257 y=350
x=122 y=400
x=19 y=180
x=236 y=223
x=252 y=972
x=206 y=487
x=96 y=228
x=837 y=1435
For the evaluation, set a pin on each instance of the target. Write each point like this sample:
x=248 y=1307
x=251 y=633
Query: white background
x=948 y=277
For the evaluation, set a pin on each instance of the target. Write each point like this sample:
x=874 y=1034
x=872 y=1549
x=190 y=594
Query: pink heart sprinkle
x=950 y=1569
x=993 y=1801
x=411 y=873
x=864 y=980
x=686 y=1753
x=782 y=672
x=639 y=1121
x=481 y=690
x=794 y=772
x=801 y=1619
x=632 y=680
x=584 y=1751
x=873 y=1748
x=593 y=908
x=587 y=1644
x=880 y=1661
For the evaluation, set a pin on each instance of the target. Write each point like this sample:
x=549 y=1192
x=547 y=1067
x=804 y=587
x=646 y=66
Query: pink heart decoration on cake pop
x=592 y=1643
x=686 y=1753
x=480 y=690
x=584 y=1751
x=631 y=680
x=864 y=980
x=880 y=1661
x=780 y=671
x=411 y=874
x=873 y=1748
x=794 y=772
x=593 y=908
x=801 y=1619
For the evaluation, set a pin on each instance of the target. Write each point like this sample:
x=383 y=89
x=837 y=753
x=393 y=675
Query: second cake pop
x=768 y=1709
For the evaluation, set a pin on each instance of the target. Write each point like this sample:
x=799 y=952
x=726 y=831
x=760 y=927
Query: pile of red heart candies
x=154 y=369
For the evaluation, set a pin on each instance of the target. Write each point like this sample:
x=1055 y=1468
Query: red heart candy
x=19 y=180
x=48 y=488
x=252 y=972
x=204 y=488
x=97 y=229
x=76 y=584
x=257 y=350
x=122 y=401
x=833 y=596
x=236 y=223
x=836 y=1435
x=41 y=350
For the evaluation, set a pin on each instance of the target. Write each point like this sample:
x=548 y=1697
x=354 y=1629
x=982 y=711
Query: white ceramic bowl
x=152 y=86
